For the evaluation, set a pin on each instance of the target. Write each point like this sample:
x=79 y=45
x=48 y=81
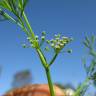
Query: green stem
x=28 y=25
x=45 y=65
x=50 y=82
x=77 y=93
x=42 y=58
x=12 y=19
x=53 y=59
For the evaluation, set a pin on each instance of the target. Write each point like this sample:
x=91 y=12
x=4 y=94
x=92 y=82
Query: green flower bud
x=58 y=43
x=47 y=48
x=31 y=41
x=58 y=35
x=61 y=41
x=48 y=41
x=55 y=36
x=24 y=45
x=35 y=43
x=36 y=37
x=57 y=47
x=43 y=37
x=64 y=37
x=54 y=41
x=64 y=42
x=57 y=39
x=43 y=33
x=32 y=46
x=51 y=40
x=61 y=45
x=52 y=45
x=69 y=51
x=28 y=38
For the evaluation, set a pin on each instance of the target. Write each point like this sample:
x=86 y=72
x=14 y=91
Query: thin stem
x=50 y=82
x=28 y=25
x=82 y=86
x=9 y=17
x=12 y=19
x=53 y=59
x=45 y=65
x=42 y=58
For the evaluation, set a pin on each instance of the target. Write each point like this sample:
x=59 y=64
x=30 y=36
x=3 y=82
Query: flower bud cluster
x=58 y=42
x=34 y=42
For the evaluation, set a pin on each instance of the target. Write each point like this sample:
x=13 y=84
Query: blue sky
x=72 y=18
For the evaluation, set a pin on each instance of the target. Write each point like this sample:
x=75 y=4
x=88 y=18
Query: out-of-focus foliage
x=90 y=43
x=90 y=68
x=22 y=78
x=82 y=89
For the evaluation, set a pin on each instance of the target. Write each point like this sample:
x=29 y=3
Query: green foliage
x=2 y=16
x=15 y=6
x=82 y=89
x=90 y=69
